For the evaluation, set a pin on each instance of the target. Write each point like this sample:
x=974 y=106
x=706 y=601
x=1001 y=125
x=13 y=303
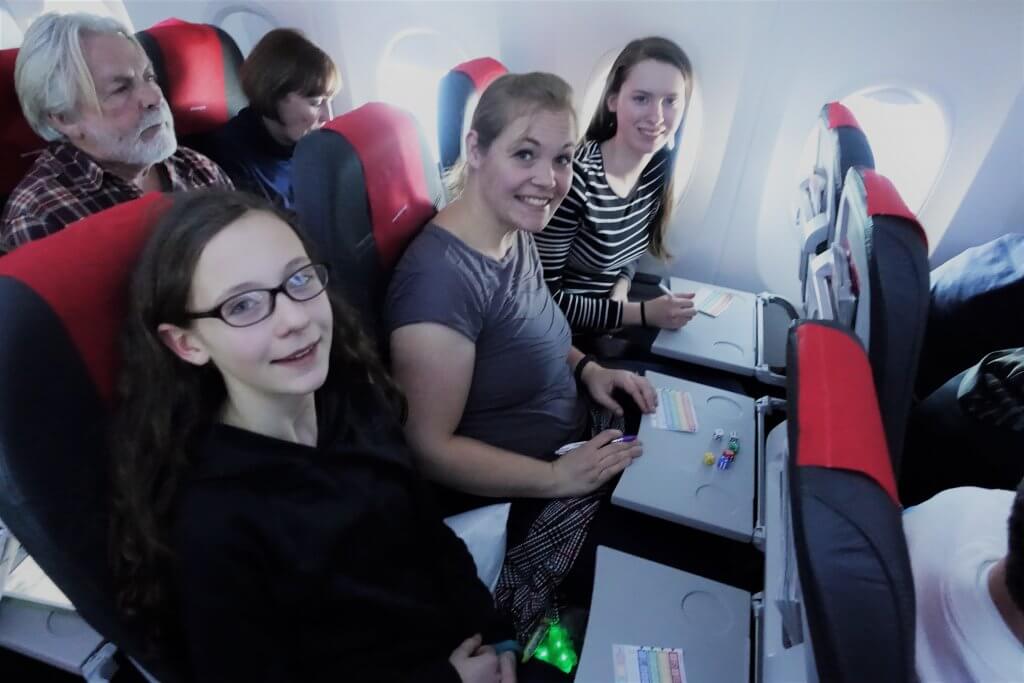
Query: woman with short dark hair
x=289 y=82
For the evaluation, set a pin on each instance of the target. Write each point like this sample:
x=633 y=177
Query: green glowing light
x=557 y=649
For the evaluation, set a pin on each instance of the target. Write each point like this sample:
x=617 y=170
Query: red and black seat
x=840 y=146
x=62 y=301
x=19 y=144
x=851 y=555
x=197 y=67
x=886 y=250
x=456 y=99
x=365 y=184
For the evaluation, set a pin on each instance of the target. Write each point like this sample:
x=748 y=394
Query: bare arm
x=434 y=366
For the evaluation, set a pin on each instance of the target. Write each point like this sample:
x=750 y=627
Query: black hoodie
x=304 y=564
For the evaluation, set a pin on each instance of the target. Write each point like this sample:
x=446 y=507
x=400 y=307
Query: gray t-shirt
x=523 y=396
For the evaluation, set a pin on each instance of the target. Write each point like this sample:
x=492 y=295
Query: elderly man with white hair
x=86 y=86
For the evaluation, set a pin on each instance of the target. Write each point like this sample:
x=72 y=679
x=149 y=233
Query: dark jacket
x=255 y=161
x=305 y=564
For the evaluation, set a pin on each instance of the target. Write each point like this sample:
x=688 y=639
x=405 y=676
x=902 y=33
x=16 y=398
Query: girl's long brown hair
x=165 y=404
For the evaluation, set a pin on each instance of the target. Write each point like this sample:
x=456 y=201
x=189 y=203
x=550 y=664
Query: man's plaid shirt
x=66 y=184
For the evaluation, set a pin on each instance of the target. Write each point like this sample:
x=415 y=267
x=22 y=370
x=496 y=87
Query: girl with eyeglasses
x=620 y=202
x=266 y=511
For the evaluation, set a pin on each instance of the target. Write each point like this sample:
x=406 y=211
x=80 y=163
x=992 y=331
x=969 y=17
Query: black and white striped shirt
x=596 y=237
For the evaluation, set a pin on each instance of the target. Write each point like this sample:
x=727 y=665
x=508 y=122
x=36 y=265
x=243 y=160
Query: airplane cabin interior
x=845 y=227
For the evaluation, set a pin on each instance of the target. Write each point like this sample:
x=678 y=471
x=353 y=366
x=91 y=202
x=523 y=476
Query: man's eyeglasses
x=256 y=305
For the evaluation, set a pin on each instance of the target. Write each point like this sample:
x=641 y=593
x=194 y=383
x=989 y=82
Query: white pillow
x=484 y=532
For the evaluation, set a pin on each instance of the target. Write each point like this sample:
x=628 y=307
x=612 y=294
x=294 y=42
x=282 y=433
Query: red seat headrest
x=18 y=142
x=457 y=90
x=401 y=182
x=481 y=71
x=838 y=115
x=197 y=66
x=82 y=273
x=837 y=421
x=365 y=184
x=879 y=197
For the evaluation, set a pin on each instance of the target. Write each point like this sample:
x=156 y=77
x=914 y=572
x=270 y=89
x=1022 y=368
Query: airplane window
x=909 y=138
x=245 y=26
x=908 y=134
x=409 y=73
x=10 y=32
x=692 y=126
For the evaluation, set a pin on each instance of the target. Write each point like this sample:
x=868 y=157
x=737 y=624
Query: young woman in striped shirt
x=621 y=197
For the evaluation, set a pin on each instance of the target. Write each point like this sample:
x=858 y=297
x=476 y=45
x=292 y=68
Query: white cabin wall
x=568 y=38
x=364 y=30
x=11 y=25
x=355 y=34
x=994 y=205
x=954 y=52
x=764 y=68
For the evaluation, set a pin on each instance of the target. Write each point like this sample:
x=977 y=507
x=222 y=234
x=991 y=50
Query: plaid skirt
x=536 y=564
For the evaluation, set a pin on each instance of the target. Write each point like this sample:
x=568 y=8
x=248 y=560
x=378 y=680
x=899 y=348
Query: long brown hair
x=603 y=125
x=165 y=404
x=502 y=102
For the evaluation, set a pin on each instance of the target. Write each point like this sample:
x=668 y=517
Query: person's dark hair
x=1015 y=552
x=604 y=122
x=285 y=61
x=164 y=404
x=506 y=99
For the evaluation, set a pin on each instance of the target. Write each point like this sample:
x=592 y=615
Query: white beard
x=131 y=149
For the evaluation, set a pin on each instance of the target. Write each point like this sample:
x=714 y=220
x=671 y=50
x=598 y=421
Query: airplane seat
x=365 y=184
x=725 y=342
x=197 y=67
x=18 y=142
x=457 y=95
x=876 y=284
x=840 y=146
x=62 y=300
x=852 y=563
x=838 y=598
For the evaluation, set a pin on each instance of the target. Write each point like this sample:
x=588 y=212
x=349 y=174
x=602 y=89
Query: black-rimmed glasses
x=256 y=305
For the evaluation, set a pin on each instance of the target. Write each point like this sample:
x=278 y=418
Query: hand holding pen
x=588 y=465
x=670 y=311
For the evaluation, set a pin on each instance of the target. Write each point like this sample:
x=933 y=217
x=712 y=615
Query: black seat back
x=852 y=560
x=887 y=251
x=364 y=187
x=62 y=300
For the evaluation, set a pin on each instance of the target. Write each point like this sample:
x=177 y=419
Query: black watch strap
x=578 y=372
